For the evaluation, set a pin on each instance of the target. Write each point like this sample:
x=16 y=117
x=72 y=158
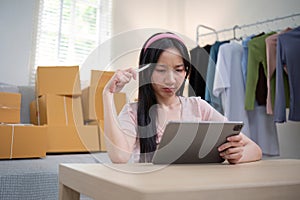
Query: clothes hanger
x=234 y=33
x=205 y=27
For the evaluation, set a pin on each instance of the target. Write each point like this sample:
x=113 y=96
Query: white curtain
x=68 y=31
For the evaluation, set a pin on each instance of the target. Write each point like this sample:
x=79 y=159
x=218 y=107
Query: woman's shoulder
x=191 y=100
x=196 y=103
x=128 y=110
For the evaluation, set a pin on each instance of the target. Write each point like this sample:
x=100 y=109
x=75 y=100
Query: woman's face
x=168 y=74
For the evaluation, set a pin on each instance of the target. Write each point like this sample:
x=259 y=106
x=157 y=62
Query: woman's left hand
x=233 y=149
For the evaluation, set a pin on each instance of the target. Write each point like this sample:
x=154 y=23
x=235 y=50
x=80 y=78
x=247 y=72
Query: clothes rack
x=205 y=27
x=217 y=33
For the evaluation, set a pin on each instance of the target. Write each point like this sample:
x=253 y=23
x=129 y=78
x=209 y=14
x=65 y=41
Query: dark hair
x=146 y=111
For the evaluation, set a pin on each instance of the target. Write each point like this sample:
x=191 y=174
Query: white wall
x=220 y=14
x=183 y=16
x=16 y=22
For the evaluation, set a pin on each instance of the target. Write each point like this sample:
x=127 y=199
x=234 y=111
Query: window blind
x=69 y=30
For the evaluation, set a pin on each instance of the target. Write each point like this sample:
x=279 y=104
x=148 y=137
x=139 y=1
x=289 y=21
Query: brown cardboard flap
x=93 y=103
x=59 y=80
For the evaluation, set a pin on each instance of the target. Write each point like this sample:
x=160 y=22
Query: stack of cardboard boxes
x=59 y=106
x=93 y=103
x=63 y=117
x=19 y=140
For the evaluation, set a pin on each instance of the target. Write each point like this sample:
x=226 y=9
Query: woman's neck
x=169 y=112
x=171 y=103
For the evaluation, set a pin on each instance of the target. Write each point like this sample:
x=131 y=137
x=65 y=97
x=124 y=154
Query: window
x=69 y=30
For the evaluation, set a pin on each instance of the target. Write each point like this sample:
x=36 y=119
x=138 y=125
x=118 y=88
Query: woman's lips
x=168 y=90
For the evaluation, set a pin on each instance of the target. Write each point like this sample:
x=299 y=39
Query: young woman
x=140 y=125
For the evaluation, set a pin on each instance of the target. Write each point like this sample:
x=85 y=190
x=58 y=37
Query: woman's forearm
x=116 y=142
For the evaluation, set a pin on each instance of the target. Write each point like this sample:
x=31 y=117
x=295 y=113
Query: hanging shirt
x=271 y=44
x=210 y=76
x=256 y=59
x=288 y=48
x=199 y=61
x=193 y=109
x=245 y=57
x=228 y=83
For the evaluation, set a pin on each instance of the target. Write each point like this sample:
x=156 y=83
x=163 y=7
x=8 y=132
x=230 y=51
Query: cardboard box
x=34 y=118
x=120 y=101
x=10 y=107
x=100 y=78
x=72 y=139
x=100 y=125
x=59 y=80
x=88 y=103
x=92 y=103
x=22 y=141
x=60 y=110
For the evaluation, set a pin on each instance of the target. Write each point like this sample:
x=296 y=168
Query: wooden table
x=266 y=179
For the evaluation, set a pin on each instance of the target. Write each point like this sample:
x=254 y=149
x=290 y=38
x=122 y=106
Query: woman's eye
x=179 y=70
x=160 y=70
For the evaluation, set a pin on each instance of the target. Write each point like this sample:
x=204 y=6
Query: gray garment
x=199 y=61
x=288 y=48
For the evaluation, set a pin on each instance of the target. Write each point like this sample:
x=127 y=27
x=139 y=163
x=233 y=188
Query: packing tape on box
x=12 y=140
x=66 y=113
x=9 y=107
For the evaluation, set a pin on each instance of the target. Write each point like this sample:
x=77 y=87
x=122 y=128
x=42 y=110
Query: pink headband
x=161 y=36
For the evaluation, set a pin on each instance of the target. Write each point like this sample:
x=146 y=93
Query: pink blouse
x=193 y=109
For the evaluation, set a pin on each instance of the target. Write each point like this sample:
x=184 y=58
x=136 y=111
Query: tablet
x=194 y=142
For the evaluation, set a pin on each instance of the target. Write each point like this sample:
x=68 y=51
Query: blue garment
x=245 y=57
x=288 y=48
x=210 y=77
x=263 y=130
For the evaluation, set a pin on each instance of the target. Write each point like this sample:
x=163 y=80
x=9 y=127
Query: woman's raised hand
x=120 y=79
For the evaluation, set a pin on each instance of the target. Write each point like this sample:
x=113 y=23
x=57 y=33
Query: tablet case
x=194 y=142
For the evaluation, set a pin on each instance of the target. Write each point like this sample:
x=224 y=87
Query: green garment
x=256 y=55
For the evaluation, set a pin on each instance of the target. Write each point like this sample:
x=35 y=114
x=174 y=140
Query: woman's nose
x=170 y=77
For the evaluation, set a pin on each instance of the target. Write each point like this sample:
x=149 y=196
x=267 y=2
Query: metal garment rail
x=213 y=31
